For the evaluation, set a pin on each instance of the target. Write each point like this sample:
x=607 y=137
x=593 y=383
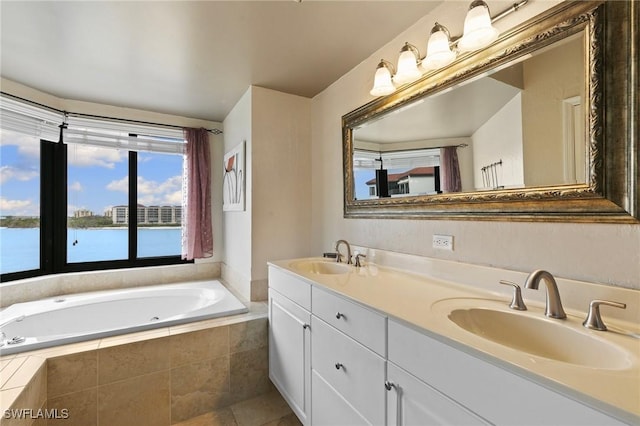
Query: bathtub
x=86 y=316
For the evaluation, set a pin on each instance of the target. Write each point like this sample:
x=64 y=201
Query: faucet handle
x=516 y=302
x=594 y=320
x=357 y=259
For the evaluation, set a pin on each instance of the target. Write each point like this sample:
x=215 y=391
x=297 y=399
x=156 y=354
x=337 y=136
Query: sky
x=97 y=177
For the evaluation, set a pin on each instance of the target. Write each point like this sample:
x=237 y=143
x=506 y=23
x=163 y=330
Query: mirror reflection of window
x=409 y=172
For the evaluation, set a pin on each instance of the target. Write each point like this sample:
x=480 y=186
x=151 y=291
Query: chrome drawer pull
x=305 y=326
x=388 y=385
x=339 y=366
x=339 y=315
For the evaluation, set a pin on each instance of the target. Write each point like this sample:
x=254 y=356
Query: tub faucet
x=3 y=336
x=339 y=257
x=554 y=306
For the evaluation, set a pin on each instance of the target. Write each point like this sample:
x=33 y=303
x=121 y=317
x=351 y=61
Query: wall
x=236 y=267
x=277 y=221
x=602 y=253
x=500 y=138
x=548 y=80
x=281 y=221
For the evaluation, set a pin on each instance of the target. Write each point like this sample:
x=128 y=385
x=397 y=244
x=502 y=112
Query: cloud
x=87 y=156
x=76 y=186
x=18 y=207
x=8 y=173
x=121 y=185
x=27 y=145
x=152 y=193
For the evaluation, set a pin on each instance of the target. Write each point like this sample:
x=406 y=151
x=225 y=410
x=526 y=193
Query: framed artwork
x=233 y=181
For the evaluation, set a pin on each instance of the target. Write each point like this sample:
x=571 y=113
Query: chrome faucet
x=3 y=336
x=339 y=257
x=554 y=306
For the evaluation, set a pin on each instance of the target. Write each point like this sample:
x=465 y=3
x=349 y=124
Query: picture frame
x=233 y=179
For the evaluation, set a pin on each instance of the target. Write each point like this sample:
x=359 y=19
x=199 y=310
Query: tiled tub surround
x=406 y=288
x=158 y=377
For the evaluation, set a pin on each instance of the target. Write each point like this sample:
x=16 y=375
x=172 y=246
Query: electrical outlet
x=443 y=242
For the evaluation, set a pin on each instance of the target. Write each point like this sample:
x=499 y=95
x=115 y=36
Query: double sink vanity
x=436 y=342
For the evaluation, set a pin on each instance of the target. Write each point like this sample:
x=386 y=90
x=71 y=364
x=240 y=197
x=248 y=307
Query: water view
x=20 y=247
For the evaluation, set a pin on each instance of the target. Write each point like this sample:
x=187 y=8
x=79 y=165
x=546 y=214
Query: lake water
x=20 y=247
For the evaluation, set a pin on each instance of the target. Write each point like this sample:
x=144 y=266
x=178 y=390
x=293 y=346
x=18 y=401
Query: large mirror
x=523 y=130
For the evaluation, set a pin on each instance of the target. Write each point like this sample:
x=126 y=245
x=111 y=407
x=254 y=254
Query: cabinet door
x=289 y=354
x=330 y=408
x=412 y=402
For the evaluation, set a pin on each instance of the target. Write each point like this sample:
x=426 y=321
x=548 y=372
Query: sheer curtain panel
x=197 y=232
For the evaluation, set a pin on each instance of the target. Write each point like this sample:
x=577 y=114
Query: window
x=72 y=199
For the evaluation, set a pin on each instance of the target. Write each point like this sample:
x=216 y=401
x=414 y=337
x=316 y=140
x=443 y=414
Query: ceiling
x=452 y=114
x=193 y=59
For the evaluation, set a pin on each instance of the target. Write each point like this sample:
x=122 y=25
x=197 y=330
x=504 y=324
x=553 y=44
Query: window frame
x=53 y=222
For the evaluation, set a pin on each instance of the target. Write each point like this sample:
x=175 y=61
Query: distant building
x=82 y=213
x=417 y=181
x=108 y=213
x=148 y=215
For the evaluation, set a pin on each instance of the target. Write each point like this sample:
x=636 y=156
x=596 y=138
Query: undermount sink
x=548 y=338
x=320 y=267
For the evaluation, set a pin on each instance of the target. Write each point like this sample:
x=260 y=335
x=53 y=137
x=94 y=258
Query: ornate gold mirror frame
x=611 y=193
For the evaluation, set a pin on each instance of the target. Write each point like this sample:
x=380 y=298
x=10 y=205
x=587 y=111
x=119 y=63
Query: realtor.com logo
x=28 y=413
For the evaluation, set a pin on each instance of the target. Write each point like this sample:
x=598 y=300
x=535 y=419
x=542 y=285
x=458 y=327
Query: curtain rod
x=461 y=145
x=78 y=114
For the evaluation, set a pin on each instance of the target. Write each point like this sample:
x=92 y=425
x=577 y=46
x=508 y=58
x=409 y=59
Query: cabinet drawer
x=500 y=396
x=329 y=408
x=353 y=370
x=365 y=326
x=292 y=287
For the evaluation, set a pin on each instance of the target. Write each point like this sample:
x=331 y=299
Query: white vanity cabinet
x=290 y=340
x=348 y=374
x=492 y=393
x=339 y=362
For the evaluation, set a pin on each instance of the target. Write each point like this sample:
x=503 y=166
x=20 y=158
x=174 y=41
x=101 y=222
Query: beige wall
x=602 y=253
x=282 y=179
x=277 y=221
x=236 y=268
x=548 y=80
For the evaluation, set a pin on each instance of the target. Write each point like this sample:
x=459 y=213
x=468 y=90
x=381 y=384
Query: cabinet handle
x=339 y=315
x=305 y=326
x=339 y=366
x=388 y=385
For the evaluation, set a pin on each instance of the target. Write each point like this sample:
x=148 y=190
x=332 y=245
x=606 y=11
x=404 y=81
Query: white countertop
x=422 y=301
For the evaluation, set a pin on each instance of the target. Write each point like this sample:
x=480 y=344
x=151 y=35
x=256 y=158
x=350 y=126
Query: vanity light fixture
x=441 y=48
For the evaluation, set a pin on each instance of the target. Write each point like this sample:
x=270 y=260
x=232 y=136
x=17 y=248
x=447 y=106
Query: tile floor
x=265 y=410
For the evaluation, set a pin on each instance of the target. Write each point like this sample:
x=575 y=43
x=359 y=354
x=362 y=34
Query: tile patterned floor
x=266 y=410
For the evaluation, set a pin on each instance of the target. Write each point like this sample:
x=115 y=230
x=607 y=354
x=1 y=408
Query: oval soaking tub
x=86 y=316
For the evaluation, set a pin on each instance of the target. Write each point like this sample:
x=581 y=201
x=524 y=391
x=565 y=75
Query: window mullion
x=133 y=206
